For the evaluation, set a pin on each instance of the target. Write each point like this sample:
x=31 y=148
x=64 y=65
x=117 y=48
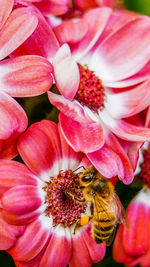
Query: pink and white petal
x=111 y=160
x=25 y=76
x=96 y=251
x=22 y=199
x=117 y=20
x=73 y=108
x=42 y=41
x=125 y=130
x=120 y=50
x=13 y=173
x=71 y=31
x=80 y=253
x=13 y=119
x=9 y=234
x=18 y=27
x=38 y=150
x=86 y=137
x=6 y=7
x=31 y=242
x=59 y=249
x=129 y=103
x=96 y=20
x=142 y=75
x=66 y=72
x=71 y=158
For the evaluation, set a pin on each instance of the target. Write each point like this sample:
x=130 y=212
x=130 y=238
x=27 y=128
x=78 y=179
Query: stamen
x=60 y=205
x=91 y=93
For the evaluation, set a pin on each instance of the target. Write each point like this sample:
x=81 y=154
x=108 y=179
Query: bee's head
x=86 y=177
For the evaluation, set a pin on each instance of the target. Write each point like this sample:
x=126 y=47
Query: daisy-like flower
x=104 y=51
x=34 y=199
x=134 y=243
x=94 y=76
x=132 y=246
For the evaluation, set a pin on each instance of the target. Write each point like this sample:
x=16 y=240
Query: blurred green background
x=143 y=7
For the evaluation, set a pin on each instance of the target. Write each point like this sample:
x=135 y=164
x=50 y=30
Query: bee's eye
x=87 y=178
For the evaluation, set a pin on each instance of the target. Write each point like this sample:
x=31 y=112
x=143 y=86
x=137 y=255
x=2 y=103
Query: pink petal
x=13 y=121
x=71 y=31
x=80 y=254
x=8 y=234
x=96 y=20
x=125 y=130
x=129 y=103
x=88 y=138
x=42 y=41
x=142 y=75
x=66 y=72
x=23 y=218
x=116 y=21
x=21 y=199
x=131 y=132
x=59 y=249
x=13 y=173
x=69 y=153
x=12 y=117
x=6 y=7
x=18 y=27
x=30 y=243
x=35 y=262
x=119 y=253
x=73 y=108
x=111 y=160
x=96 y=251
x=120 y=50
x=53 y=7
x=137 y=235
x=37 y=149
x=26 y=76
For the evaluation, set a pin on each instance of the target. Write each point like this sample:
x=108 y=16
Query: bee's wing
x=100 y=205
x=122 y=216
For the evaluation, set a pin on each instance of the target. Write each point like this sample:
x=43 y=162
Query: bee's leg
x=74 y=197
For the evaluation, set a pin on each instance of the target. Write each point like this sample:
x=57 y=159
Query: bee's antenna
x=79 y=168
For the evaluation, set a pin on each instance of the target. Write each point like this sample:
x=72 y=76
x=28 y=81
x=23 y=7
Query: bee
x=106 y=208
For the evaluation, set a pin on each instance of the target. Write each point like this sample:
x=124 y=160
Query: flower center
x=144 y=175
x=91 y=93
x=60 y=205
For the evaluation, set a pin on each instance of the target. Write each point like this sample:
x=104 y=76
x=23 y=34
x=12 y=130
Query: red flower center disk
x=144 y=175
x=91 y=92
x=61 y=206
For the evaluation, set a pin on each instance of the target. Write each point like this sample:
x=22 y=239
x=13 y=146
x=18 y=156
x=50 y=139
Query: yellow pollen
x=84 y=220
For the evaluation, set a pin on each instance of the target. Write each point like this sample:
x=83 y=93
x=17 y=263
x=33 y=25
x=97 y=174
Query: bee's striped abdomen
x=103 y=228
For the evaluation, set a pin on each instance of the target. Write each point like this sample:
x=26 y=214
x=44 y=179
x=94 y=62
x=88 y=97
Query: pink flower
x=132 y=246
x=20 y=76
x=94 y=75
x=33 y=199
x=94 y=54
